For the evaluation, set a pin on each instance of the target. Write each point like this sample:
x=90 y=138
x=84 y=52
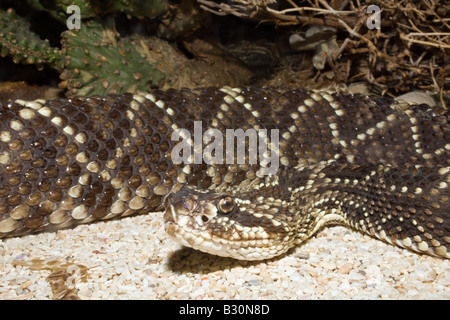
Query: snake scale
x=374 y=164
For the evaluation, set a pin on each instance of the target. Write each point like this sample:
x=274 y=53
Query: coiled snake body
x=377 y=165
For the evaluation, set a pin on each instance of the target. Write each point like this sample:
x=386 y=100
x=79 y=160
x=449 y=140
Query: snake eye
x=225 y=205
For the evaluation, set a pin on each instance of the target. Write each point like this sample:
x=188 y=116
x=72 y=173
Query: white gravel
x=132 y=258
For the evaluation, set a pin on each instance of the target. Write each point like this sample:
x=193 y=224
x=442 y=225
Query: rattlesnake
x=379 y=165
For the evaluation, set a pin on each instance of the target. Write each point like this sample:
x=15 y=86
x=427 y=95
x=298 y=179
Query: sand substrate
x=133 y=258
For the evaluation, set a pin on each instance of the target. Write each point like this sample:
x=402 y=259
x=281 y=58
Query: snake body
x=375 y=164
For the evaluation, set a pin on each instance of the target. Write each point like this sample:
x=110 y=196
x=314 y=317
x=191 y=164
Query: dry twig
x=414 y=38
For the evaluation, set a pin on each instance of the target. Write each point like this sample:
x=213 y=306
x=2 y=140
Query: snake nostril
x=205 y=219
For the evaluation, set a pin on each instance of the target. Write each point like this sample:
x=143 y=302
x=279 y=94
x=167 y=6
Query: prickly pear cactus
x=98 y=61
x=93 y=58
x=24 y=46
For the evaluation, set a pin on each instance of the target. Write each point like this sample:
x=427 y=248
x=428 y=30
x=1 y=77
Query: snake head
x=244 y=228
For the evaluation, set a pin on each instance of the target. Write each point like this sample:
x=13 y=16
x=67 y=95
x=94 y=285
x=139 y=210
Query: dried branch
x=413 y=42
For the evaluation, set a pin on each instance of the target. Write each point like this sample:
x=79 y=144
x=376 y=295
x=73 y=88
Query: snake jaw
x=194 y=220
